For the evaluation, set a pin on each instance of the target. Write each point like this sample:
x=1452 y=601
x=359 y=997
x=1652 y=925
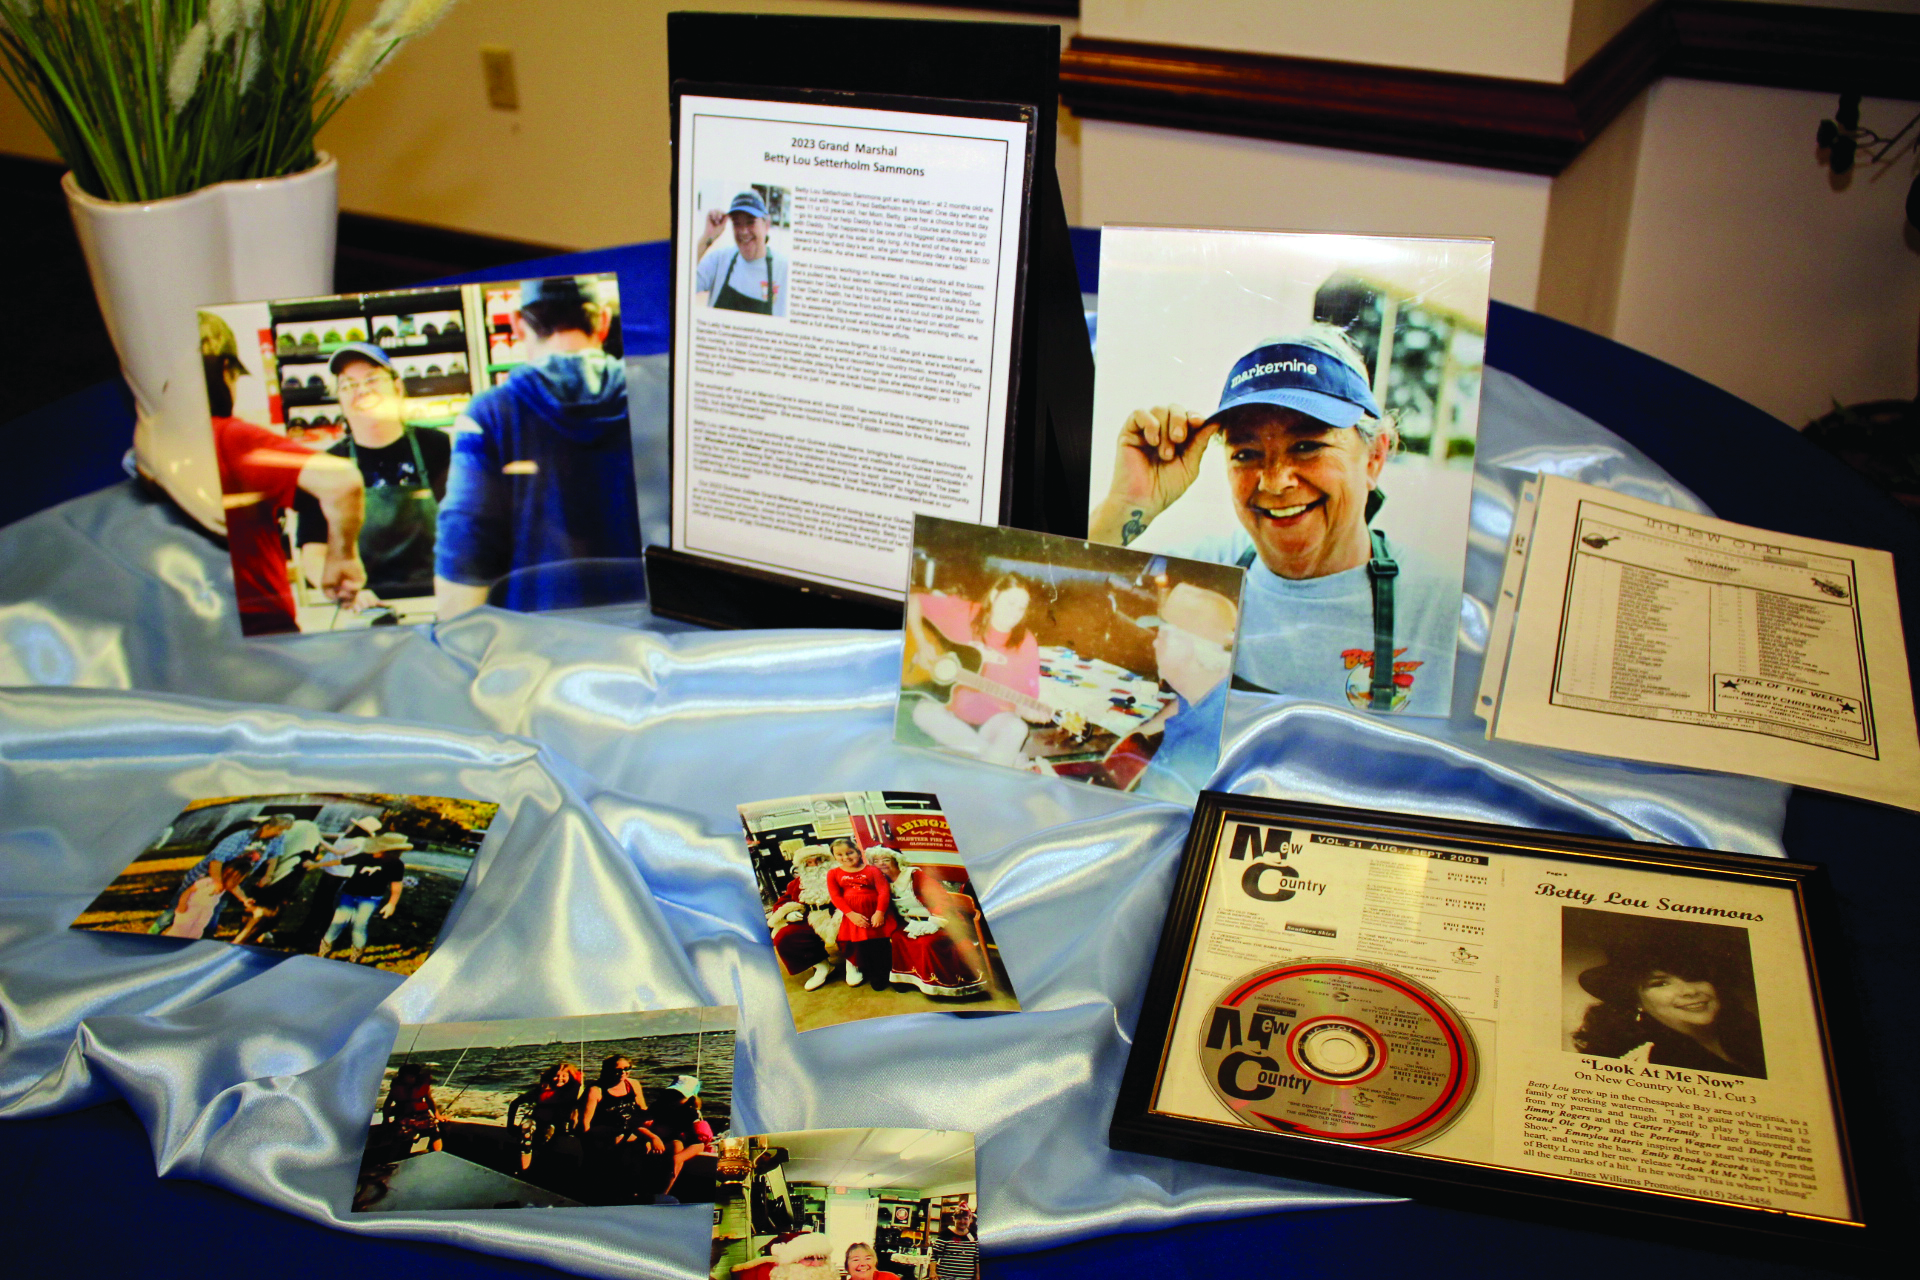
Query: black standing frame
x=1050 y=396
x=1486 y=1187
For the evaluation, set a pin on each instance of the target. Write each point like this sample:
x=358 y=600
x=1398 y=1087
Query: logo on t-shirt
x=1360 y=678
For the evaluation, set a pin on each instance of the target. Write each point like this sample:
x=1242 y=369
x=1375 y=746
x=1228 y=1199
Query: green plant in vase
x=188 y=127
x=146 y=99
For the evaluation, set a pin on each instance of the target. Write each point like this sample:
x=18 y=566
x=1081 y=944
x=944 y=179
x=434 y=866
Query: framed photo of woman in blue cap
x=1304 y=406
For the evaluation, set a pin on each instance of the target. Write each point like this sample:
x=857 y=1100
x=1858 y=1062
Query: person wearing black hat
x=542 y=469
x=404 y=468
x=262 y=473
x=1333 y=610
x=749 y=276
x=1668 y=1001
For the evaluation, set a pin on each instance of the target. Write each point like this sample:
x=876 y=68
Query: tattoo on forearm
x=1133 y=528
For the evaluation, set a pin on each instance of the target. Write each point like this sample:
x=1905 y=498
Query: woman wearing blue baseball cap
x=1333 y=610
x=404 y=468
x=748 y=277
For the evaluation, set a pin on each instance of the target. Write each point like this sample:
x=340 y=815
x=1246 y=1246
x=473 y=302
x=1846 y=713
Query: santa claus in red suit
x=805 y=1257
x=804 y=920
x=925 y=953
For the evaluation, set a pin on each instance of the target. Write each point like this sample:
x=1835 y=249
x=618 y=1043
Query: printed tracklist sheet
x=1631 y=629
x=1670 y=622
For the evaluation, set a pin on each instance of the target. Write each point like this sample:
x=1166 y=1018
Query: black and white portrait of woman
x=1666 y=993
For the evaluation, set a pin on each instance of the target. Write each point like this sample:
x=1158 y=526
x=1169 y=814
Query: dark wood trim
x=1478 y=120
x=1525 y=126
x=1797 y=47
x=1044 y=8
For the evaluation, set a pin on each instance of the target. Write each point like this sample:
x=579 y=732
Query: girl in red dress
x=864 y=896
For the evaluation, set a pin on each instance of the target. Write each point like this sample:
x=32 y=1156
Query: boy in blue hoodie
x=542 y=473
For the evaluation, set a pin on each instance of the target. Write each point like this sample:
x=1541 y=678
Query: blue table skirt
x=613 y=881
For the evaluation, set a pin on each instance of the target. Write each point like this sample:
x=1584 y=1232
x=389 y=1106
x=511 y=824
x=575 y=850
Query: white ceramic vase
x=154 y=264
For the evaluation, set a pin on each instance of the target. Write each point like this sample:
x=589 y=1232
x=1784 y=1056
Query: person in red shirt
x=260 y=472
x=864 y=896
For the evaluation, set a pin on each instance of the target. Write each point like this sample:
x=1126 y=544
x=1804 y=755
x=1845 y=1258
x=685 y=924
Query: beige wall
x=1522 y=39
x=1587 y=222
x=1594 y=22
x=1744 y=265
x=1135 y=173
x=583 y=161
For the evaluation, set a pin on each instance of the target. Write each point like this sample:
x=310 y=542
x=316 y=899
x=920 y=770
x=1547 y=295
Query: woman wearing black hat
x=1670 y=1005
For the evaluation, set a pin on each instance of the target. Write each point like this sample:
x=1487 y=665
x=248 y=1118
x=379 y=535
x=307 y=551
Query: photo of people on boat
x=870 y=908
x=356 y=876
x=604 y=1109
x=1067 y=658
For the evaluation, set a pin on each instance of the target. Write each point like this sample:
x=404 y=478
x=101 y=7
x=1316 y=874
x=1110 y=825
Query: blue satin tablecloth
x=613 y=879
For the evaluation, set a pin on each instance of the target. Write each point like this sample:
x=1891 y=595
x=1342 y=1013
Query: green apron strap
x=1381 y=571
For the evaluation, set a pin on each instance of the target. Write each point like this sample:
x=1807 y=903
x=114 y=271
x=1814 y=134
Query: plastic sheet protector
x=611 y=880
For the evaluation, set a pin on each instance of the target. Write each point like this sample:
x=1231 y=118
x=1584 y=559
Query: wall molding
x=1525 y=126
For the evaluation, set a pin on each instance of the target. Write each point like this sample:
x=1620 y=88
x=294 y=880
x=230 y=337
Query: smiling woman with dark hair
x=1669 y=1005
x=1333 y=610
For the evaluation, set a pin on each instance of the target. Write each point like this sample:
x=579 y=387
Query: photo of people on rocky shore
x=1067 y=658
x=362 y=877
x=870 y=908
x=604 y=1109
x=846 y=1204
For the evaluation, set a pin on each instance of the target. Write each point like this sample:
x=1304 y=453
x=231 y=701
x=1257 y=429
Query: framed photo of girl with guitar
x=1057 y=656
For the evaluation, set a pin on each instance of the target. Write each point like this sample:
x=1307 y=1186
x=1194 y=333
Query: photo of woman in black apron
x=749 y=276
x=404 y=468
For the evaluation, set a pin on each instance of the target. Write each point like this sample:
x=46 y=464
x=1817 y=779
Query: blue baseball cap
x=1298 y=376
x=360 y=351
x=748 y=202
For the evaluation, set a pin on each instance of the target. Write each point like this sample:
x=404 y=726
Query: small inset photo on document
x=871 y=909
x=616 y=1108
x=1661 y=993
x=739 y=249
x=847 y=1204
x=360 y=877
x=1305 y=406
x=1067 y=658
x=401 y=457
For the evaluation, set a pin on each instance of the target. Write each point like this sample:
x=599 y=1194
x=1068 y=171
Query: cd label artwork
x=1349 y=991
x=1331 y=1049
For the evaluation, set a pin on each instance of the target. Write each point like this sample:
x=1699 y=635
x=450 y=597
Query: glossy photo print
x=605 y=1109
x=360 y=877
x=1305 y=406
x=1068 y=658
x=870 y=908
x=847 y=1204
x=1660 y=993
x=402 y=457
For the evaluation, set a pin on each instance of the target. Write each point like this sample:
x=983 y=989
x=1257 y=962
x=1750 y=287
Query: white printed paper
x=875 y=384
x=1655 y=634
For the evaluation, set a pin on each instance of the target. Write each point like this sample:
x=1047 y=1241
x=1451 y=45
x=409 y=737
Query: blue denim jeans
x=351 y=911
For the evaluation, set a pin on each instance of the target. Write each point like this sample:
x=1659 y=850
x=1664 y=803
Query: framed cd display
x=1445 y=1009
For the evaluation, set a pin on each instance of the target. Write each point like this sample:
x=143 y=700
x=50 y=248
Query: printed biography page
x=842 y=362
x=1727 y=1099
x=1655 y=634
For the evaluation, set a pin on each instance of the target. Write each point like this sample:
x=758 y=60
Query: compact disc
x=1338 y=1049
